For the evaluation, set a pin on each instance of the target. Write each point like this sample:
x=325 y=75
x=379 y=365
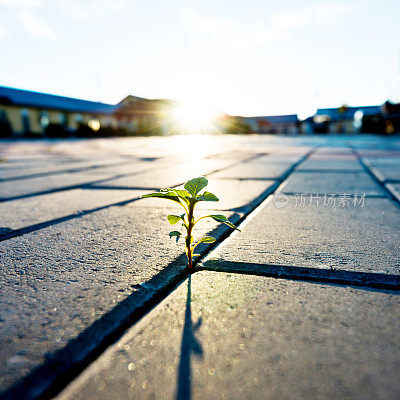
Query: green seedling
x=188 y=198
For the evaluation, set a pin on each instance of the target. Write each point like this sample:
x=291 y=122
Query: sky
x=247 y=57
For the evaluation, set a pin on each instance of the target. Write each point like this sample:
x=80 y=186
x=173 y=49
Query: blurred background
x=128 y=67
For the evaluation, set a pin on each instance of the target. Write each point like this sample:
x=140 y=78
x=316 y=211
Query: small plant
x=188 y=198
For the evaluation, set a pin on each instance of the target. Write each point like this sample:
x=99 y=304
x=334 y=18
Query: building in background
x=281 y=124
x=342 y=119
x=278 y=124
x=25 y=113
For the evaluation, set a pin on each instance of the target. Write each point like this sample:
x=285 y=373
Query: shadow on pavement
x=189 y=345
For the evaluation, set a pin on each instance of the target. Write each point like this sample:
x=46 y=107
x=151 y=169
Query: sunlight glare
x=194 y=117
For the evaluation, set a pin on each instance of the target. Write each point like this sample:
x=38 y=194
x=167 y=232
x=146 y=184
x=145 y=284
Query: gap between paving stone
x=65 y=363
x=328 y=171
x=61 y=367
x=35 y=227
x=320 y=275
x=394 y=188
x=55 y=221
x=350 y=195
x=367 y=168
x=65 y=171
x=86 y=185
x=210 y=316
x=60 y=189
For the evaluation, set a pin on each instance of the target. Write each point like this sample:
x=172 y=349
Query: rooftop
x=50 y=101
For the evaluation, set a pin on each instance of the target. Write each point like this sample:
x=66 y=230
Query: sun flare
x=194 y=117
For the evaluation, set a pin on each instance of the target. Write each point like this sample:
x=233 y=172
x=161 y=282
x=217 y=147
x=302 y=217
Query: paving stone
x=52 y=168
x=233 y=194
x=394 y=189
x=334 y=151
x=24 y=187
x=383 y=161
x=81 y=278
x=125 y=169
x=25 y=212
x=263 y=168
x=357 y=238
x=167 y=176
x=336 y=182
x=329 y=164
x=249 y=337
x=58 y=281
x=389 y=173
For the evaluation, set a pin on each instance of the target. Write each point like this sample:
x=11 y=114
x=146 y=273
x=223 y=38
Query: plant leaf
x=175 y=233
x=163 y=195
x=206 y=239
x=195 y=185
x=173 y=219
x=207 y=196
x=181 y=193
x=223 y=219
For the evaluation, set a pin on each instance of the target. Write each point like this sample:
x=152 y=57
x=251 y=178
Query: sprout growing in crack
x=188 y=198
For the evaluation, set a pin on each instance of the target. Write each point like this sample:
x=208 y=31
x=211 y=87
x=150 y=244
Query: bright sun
x=193 y=117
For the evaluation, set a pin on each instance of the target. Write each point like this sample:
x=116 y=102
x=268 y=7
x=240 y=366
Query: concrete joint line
x=42 y=225
x=66 y=364
x=318 y=275
x=376 y=177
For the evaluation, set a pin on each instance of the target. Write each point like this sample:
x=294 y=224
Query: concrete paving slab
x=27 y=187
x=336 y=182
x=389 y=173
x=59 y=283
x=95 y=166
x=39 y=209
x=384 y=151
x=233 y=194
x=334 y=151
x=230 y=336
x=167 y=176
x=383 y=161
x=356 y=238
x=126 y=169
x=329 y=164
x=394 y=188
x=262 y=168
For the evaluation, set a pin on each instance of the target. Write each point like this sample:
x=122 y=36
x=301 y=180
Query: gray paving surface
x=244 y=337
x=266 y=167
x=394 y=189
x=235 y=195
x=11 y=189
x=40 y=209
x=318 y=163
x=16 y=171
x=389 y=173
x=79 y=260
x=59 y=280
x=354 y=237
x=335 y=182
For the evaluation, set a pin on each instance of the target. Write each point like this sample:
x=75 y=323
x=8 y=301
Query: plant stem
x=189 y=235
